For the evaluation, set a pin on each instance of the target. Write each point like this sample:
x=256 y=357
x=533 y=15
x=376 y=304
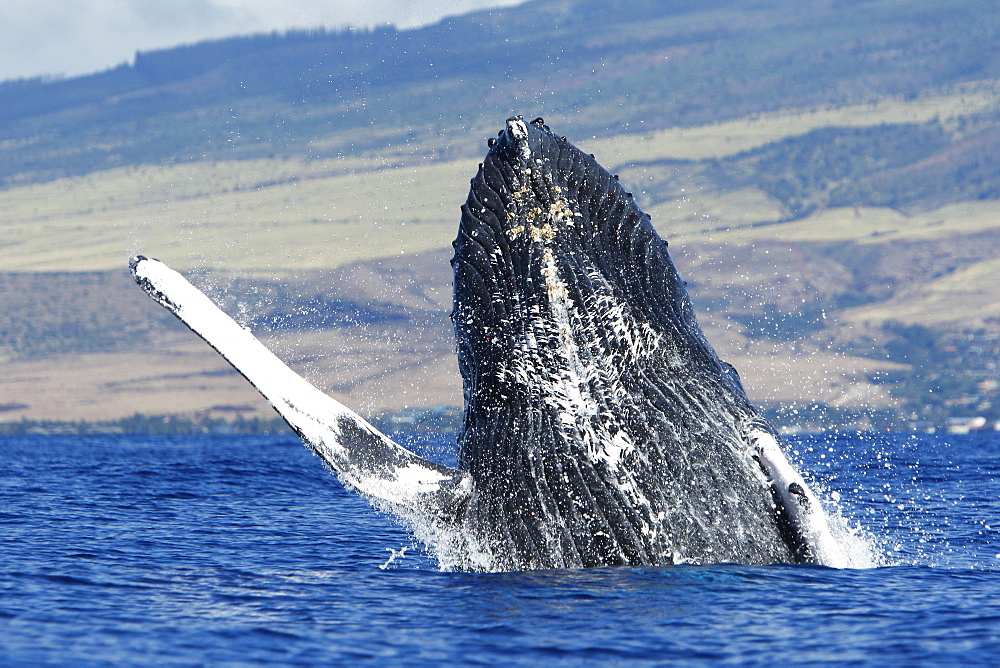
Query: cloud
x=73 y=37
x=70 y=37
x=401 y=13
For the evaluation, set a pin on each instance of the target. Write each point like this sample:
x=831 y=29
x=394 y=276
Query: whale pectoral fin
x=361 y=456
x=800 y=510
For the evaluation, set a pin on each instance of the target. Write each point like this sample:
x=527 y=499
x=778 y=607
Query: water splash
x=393 y=555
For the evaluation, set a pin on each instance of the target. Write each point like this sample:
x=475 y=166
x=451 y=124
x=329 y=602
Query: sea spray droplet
x=393 y=555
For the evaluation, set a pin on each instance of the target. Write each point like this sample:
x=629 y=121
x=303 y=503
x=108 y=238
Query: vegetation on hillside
x=599 y=66
x=604 y=68
x=51 y=314
x=905 y=166
x=768 y=291
x=953 y=374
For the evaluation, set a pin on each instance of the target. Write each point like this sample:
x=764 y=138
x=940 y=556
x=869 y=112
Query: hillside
x=602 y=67
x=829 y=181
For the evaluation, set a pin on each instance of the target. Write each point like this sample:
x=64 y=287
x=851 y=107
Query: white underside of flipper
x=800 y=503
x=364 y=458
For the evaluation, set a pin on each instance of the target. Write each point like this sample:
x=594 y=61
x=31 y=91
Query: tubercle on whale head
x=515 y=140
x=517 y=128
x=518 y=133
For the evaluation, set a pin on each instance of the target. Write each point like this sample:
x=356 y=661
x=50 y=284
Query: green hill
x=600 y=67
x=827 y=173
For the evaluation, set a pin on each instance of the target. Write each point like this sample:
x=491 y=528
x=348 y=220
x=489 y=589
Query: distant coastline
x=443 y=420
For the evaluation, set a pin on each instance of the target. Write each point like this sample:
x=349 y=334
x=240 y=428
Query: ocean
x=236 y=550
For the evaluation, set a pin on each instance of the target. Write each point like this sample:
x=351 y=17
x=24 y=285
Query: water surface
x=236 y=549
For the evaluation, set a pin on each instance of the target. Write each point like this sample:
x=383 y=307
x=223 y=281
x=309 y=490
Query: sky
x=71 y=37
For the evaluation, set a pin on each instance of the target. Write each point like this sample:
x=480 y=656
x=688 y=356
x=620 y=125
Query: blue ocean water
x=242 y=550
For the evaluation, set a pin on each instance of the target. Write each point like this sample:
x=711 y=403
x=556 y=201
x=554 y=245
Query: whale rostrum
x=600 y=427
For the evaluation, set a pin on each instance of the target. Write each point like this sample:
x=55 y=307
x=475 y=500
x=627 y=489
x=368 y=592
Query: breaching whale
x=600 y=426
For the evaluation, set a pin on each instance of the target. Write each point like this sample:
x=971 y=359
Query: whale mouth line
x=600 y=427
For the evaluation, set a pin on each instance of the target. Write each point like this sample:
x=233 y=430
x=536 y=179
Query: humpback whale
x=600 y=427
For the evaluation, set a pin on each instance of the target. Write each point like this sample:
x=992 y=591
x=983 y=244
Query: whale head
x=600 y=425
